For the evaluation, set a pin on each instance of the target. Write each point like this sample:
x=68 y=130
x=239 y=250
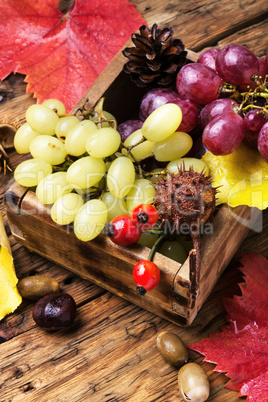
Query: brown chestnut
x=55 y=311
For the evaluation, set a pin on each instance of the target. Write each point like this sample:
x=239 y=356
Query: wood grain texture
x=110 y=354
x=206 y=23
x=111 y=266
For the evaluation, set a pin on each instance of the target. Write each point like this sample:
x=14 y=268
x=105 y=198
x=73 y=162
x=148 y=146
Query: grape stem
x=155 y=232
x=247 y=99
x=138 y=143
x=136 y=161
x=156 y=244
x=96 y=109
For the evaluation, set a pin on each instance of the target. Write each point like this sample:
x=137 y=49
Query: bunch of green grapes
x=82 y=169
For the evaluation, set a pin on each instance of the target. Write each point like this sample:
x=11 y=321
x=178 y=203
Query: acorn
x=185 y=201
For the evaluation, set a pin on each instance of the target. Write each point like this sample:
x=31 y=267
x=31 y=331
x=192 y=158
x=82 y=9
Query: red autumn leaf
x=63 y=54
x=241 y=349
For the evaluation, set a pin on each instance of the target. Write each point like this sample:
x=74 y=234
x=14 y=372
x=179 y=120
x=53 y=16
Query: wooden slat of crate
x=100 y=261
x=111 y=266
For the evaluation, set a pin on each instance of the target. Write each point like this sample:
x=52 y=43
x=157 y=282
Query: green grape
x=56 y=105
x=143 y=150
x=49 y=149
x=173 y=250
x=175 y=146
x=115 y=206
x=90 y=220
x=30 y=172
x=197 y=165
x=147 y=239
x=75 y=143
x=103 y=142
x=23 y=137
x=64 y=125
x=108 y=116
x=142 y=192
x=42 y=119
x=133 y=139
x=86 y=172
x=120 y=177
x=52 y=187
x=186 y=242
x=64 y=210
x=162 y=122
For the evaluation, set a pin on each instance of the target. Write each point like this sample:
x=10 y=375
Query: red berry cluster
x=125 y=230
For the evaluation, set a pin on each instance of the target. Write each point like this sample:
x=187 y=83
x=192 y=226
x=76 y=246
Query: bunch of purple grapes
x=223 y=97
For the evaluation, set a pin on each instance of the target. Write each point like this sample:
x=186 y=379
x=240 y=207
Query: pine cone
x=156 y=57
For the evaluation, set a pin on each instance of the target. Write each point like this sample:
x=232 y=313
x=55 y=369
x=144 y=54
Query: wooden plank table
x=110 y=352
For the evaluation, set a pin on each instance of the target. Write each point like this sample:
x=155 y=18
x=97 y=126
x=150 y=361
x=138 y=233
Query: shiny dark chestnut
x=55 y=311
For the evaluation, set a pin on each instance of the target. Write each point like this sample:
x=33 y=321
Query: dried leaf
x=242 y=177
x=63 y=54
x=10 y=298
x=241 y=349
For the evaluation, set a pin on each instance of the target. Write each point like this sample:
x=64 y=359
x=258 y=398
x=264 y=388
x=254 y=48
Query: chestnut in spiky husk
x=185 y=198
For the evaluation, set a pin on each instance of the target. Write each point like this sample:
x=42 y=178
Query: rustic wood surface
x=110 y=353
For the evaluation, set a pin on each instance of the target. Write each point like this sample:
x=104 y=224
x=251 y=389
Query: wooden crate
x=109 y=265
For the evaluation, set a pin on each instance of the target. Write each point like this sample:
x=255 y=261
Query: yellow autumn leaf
x=10 y=298
x=242 y=177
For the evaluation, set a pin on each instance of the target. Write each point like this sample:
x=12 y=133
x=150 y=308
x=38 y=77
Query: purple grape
x=198 y=83
x=251 y=139
x=263 y=68
x=263 y=142
x=262 y=72
x=254 y=120
x=208 y=57
x=198 y=149
x=190 y=113
x=160 y=96
x=224 y=133
x=214 y=108
x=128 y=127
x=259 y=101
x=155 y=98
x=196 y=132
x=151 y=163
x=236 y=64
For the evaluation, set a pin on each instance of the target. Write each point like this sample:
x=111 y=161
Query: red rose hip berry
x=122 y=230
x=144 y=216
x=146 y=275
